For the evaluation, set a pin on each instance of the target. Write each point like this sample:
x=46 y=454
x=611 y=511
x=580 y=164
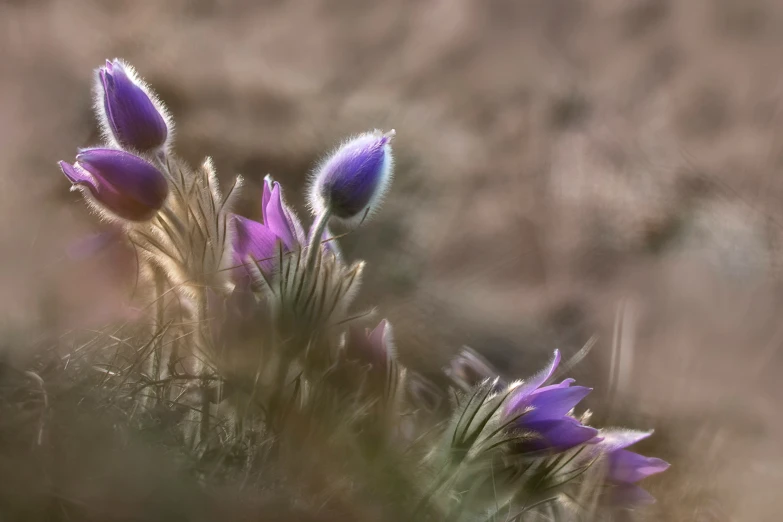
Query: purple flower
x=132 y=115
x=625 y=468
x=353 y=180
x=259 y=240
x=543 y=412
x=122 y=183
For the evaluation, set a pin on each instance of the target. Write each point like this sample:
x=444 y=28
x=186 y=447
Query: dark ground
x=560 y=163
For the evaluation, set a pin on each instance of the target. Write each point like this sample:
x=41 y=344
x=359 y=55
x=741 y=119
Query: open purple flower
x=353 y=180
x=131 y=113
x=120 y=182
x=259 y=240
x=542 y=413
x=625 y=468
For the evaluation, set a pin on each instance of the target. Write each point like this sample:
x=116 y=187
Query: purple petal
x=280 y=219
x=554 y=403
x=266 y=195
x=558 y=435
x=78 y=176
x=565 y=384
x=627 y=467
x=521 y=392
x=133 y=118
x=254 y=240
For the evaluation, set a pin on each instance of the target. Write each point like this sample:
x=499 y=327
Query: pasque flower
x=541 y=413
x=131 y=114
x=120 y=182
x=259 y=240
x=352 y=181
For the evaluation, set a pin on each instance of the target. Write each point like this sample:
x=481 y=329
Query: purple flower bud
x=131 y=114
x=120 y=182
x=352 y=181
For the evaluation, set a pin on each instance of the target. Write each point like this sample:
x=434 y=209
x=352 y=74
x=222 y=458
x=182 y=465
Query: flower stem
x=314 y=241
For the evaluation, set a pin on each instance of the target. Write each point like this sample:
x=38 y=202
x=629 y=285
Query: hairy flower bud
x=120 y=182
x=129 y=112
x=352 y=181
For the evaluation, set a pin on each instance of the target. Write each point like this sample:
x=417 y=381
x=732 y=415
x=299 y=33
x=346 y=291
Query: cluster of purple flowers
x=538 y=418
x=128 y=179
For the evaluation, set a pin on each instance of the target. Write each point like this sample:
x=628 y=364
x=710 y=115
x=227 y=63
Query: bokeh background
x=566 y=169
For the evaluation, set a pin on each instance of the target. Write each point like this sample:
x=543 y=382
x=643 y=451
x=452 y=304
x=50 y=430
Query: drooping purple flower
x=468 y=368
x=122 y=183
x=352 y=181
x=259 y=240
x=131 y=113
x=542 y=413
x=625 y=468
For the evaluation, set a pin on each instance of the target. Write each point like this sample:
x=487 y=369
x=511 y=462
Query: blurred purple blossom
x=373 y=348
x=625 y=468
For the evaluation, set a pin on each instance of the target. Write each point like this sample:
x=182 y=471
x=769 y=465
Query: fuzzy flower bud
x=352 y=181
x=119 y=182
x=129 y=112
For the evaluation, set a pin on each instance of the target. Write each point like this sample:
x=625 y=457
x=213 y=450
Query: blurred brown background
x=561 y=164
